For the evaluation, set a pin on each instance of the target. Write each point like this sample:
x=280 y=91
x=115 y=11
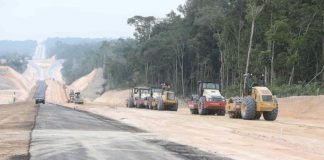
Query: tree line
x=220 y=41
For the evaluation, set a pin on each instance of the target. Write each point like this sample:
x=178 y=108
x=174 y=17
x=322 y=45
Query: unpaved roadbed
x=284 y=138
x=64 y=133
x=16 y=123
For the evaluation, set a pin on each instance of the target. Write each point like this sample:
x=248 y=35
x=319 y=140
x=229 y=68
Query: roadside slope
x=14 y=82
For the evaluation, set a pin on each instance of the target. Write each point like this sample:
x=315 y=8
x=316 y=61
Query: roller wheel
x=160 y=105
x=221 y=112
x=201 y=106
x=271 y=116
x=257 y=115
x=194 y=111
x=174 y=107
x=130 y=103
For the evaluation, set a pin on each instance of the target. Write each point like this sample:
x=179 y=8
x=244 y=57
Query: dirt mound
x=304 y=107
x=12 y=83
x=90 y=85
x=83 y=82
x=95 y=88
x=113 y=98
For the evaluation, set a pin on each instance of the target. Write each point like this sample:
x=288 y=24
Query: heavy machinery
x=155 y=93
x=75 y=97
x=71 y=97
x=137 y=97
x=208 y=100
x=142 y=97
x=256 y=100
x=167 y=100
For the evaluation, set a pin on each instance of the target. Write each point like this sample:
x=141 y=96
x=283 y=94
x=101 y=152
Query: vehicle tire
x=257 y=115
x=150 y=105
x=231 y=115
x=201 y=106
x=160 y=105
x=194 y=111
x=271 y=116
x=248 y=108
x=174 y=107
x=212 y=112
x=221 y=112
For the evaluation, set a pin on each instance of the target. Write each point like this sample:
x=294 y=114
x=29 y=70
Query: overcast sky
x=39 y=19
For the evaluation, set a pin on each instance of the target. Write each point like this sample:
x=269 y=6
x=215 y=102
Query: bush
x=282 y=90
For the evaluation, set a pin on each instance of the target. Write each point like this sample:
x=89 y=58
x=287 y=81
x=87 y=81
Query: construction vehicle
x=71 y=97
x=142 y=97
x=255 y=100
x=40 y=92
x=137 y=97
x=155 y=93
x=167 y=100
x=75 y=97
x=208 y=100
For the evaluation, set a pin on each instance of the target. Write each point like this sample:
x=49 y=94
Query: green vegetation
x=215 y=40
x=211 y=40
x=16 y=61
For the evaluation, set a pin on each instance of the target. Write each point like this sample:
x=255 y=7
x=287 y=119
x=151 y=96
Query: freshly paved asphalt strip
x=62 y=133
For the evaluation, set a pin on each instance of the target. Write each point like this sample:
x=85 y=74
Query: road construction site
x=104 y=128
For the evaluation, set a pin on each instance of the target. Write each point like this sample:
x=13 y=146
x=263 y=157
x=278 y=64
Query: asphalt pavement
x=63 y=133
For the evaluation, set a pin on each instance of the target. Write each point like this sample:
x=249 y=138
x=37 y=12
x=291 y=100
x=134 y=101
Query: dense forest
x=220 y=41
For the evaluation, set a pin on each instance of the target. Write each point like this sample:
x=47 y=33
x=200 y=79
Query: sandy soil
x=55 y=92
x=15 y=127
x=291 y=136
x=82 y=83
x=14 y=82
x=298 y=133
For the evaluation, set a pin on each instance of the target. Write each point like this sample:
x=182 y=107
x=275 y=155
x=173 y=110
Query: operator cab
x=202 y=86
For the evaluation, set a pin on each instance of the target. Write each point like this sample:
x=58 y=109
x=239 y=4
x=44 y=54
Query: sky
x=40 y=19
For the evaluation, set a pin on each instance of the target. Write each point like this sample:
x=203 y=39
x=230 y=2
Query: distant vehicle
x=167 y=100
x=208 y=100
x=75 y=97
x=40 y=92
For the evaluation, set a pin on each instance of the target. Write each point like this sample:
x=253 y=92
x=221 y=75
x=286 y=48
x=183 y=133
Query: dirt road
x=282 y=139
x=62 y=133
x=15 y=127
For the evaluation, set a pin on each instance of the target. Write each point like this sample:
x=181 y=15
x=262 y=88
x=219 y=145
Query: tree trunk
x=323 y=52
x=182 y=80
x=249 y=52
x=176 y=76
x=272 y=63
x=146 y=73
x=265 y=75
x=291 y=75
x=221 y=71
